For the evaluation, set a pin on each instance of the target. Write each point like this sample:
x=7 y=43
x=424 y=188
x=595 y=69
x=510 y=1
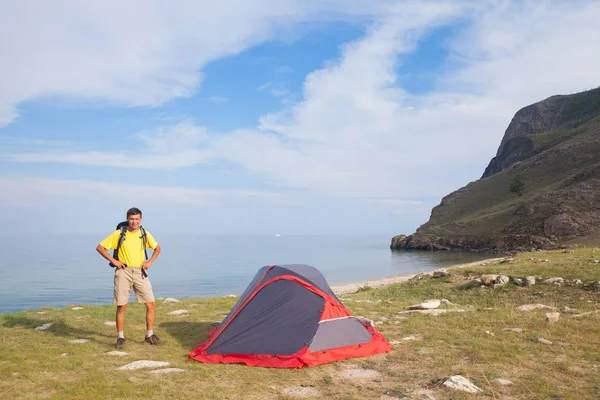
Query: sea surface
x=61 y=270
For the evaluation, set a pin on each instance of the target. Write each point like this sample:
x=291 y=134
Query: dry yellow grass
x=471 y=343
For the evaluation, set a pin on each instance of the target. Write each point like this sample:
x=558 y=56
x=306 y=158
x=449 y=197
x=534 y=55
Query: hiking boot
x=153 y=340
x=120 y=344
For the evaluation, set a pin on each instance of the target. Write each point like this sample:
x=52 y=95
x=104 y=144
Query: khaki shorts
x=128 y=278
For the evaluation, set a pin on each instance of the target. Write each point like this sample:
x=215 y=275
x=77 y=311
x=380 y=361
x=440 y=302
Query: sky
x=272 y=116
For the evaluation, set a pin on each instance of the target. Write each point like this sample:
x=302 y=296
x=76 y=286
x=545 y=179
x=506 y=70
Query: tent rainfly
x=288 y=317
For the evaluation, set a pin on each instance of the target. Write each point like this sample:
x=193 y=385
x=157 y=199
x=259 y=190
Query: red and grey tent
x=289 y=317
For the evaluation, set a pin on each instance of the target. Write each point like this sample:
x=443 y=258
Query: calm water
x=65 y=269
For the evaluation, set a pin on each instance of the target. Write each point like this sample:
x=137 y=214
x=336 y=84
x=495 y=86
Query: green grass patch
x=44 y=364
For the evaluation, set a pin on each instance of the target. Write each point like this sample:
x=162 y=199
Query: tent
x=289 y=317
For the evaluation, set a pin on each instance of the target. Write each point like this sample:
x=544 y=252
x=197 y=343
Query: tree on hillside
x=517 y=186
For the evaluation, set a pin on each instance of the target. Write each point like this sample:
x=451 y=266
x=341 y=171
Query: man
x=128 y=273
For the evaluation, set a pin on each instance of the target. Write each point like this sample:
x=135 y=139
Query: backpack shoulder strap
x=121 y=239
x=144 y=241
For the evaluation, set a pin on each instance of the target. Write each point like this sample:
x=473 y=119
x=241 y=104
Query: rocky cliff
x=554 y=148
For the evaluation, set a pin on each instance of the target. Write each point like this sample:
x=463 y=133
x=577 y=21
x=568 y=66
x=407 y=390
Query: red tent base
x=302 y=358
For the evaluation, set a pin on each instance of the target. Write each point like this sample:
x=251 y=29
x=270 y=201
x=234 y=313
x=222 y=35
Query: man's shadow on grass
x=188 y=334
x=59 y=327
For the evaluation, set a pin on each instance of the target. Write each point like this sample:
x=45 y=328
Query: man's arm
x=155 y=254
x=119 y=264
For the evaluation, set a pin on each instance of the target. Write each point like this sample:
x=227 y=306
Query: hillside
x=554 y=148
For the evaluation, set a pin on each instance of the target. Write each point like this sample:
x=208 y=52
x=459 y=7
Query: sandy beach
x=377 y=283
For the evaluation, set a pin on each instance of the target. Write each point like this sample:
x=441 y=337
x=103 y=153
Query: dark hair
x=134 y=211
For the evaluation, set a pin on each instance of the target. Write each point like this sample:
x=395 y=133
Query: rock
x=177 y=312
x=365 y=321
x=519 y=282
x=516 y=330
x=586 y=313
x=554 y=280
x=544 y=341
x=441 y=273
x=487 y=332
x=502 y=382
x=110 y=323
x=426 y=305
x=167 y=371
x=569 y=310
x=171 y=300
x=529 y=307
x=530 y=280
x=45 y=326
x=562 y=225
x=116 y=353
x=502 y=280
x=488 y=280
x=77 y=308
x=79 y=341
x=410 y=338
x=432 y=312
x=395 y=342
x=143 y=364
x=63 y=355
x=459 y=382
x=446 y=301
x=552 y=317
x=577 y=282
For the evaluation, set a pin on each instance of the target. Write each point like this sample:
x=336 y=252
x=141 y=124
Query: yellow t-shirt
x=131 y=251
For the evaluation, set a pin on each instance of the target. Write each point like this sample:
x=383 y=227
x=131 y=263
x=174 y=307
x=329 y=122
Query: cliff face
x=554 y=147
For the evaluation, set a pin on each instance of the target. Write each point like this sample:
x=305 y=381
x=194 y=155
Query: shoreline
x=350 y=288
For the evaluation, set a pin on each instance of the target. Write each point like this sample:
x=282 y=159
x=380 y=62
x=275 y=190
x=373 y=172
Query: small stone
x=489 y=333
x=116 y=353
x=554 y=280
x=503 y=382
x=143 y=364
x=502 y=280
x=489 y=279
x=171 y=300
x=516 y=330
x=544 y=341
x=529 y=307
x=410 y=338
x=77 y=308
x=440 y=273
x=459 y=382
x=63 y=355
x=426 y=305
x=45 y=326
x=167 y=371
x=395 y=342
x=446 y=301
x=79 y=341
x=110 y=323
x=519 y=281
x=551 y=317
x=178 y=312
x=530 y=280
x=379 y=323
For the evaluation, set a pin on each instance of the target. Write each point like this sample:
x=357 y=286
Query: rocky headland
x=540 y=191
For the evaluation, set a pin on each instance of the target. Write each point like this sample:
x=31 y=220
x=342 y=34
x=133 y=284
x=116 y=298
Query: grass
x=43 y=364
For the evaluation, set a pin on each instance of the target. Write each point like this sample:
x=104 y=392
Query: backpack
x=122 y=226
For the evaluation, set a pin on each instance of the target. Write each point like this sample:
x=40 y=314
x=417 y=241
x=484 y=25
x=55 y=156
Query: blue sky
x=333 y=117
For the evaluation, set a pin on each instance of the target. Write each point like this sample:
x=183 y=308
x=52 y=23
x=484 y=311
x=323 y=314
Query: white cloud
x=26 y=192
x=356 y=132
x=137 y=52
